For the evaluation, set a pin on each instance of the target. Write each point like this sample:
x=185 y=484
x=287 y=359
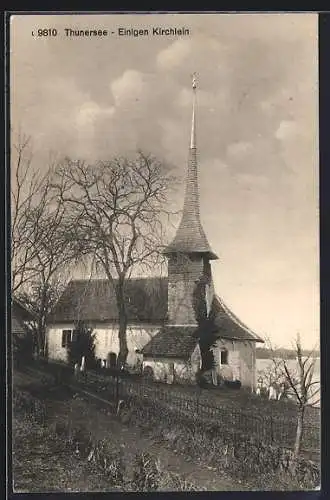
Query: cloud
x=91 y=111
x=130 y=85
x=237 y=150
x=286 y=130
x=174 y=55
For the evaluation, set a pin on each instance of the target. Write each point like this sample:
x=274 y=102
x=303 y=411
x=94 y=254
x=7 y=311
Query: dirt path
x=102 y=424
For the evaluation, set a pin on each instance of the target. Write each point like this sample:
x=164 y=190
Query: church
x=173 y=322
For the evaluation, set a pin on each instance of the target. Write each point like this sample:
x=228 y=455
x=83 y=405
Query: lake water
x=264 y=364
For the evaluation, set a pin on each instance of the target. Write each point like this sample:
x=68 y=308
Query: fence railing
x=271 y=429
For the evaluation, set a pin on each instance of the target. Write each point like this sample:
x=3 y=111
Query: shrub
x=82 y=344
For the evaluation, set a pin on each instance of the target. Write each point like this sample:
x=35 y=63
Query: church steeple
x=190 y=236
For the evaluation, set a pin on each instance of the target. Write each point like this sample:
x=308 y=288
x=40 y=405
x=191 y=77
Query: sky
x=257 y=135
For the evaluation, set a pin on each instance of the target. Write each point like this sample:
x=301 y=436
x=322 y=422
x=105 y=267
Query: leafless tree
x=26 y=185
x=301 y=383
x=115 y=211
x=306 y=390
x=39 y=252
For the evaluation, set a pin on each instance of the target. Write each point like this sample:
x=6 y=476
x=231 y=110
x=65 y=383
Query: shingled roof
x=228 y=326
x=179 y=341
x=95 y=301
x=190 y=236
x=172 y=342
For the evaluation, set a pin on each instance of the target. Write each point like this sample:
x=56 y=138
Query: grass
x=275 y=421
x=202 y=455
x=55 y=433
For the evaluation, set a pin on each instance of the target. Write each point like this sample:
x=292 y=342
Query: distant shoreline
x=264 y=353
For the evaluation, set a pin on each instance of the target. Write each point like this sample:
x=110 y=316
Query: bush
x=82 y=344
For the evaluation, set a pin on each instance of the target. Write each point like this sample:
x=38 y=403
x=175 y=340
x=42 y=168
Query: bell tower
x=189 y=254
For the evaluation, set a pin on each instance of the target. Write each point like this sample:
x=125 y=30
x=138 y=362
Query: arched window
x=224 y=357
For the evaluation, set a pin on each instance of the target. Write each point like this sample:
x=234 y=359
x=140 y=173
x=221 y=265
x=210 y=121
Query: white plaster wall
x=241 y=361
x=183 y=371
x=54 y=342
x=106 y=341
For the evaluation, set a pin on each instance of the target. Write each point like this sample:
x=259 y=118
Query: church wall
x=169 y=370
x=106 y=341
x=241 y=361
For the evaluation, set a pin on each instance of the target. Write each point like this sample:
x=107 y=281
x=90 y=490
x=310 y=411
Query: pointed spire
x=193 y=124
x=190 y=236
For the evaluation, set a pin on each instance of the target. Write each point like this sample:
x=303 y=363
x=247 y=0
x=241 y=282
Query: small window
x=66 y=338
x=224 y=357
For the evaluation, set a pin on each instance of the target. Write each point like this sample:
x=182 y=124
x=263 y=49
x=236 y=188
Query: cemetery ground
x=64 y=440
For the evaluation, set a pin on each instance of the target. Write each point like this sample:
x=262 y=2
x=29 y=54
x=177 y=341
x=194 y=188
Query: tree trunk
x=41 y=324
x=299 y=433
x=122 y=331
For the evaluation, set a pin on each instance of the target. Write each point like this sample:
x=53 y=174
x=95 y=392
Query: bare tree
x=115 y=211
x=26 y=185
x=300 y=382
x=305 y=389
x=40 y=253
x=54 y=255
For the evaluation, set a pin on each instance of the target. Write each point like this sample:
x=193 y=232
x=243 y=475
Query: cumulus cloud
x=286 y=130
x=174 y=55
x=129 y=85
x=91 y=111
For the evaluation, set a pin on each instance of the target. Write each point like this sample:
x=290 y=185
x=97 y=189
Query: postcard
x=164 y=252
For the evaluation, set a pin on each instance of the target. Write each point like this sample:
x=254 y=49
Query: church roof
x=95 y=301
x=190 y=236
x=172 y=342
x=229 y=326
x=180 y=341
